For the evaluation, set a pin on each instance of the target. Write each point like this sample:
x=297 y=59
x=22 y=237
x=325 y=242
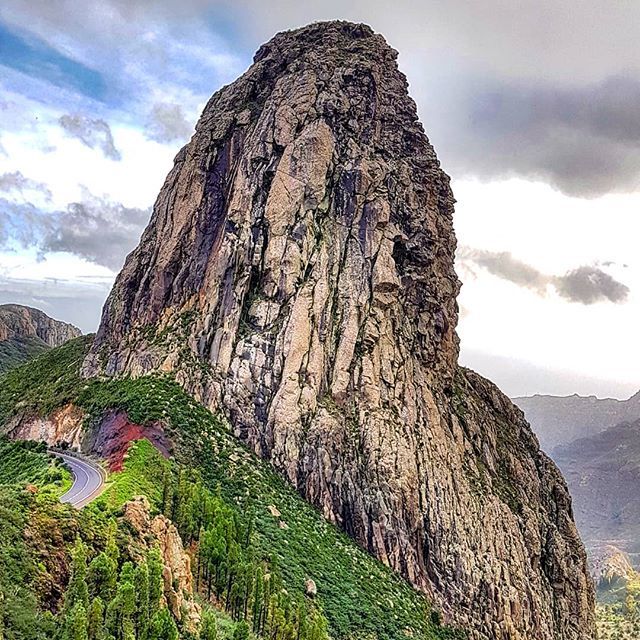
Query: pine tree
x=162 y=626
x=258 y=591
x=113 y=617
x=242 y=631
x=96 y=619
x=156 y=584
x=208 y=628
x=101 y=576
x=77 y=590
x=111 y=548
x=127 y=573
x=141 y=583
x=76 y=627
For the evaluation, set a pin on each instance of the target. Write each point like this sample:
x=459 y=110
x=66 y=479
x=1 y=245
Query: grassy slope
x=15 y=351
x=359 y=596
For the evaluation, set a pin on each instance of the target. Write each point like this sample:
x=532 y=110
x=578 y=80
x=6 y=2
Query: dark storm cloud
x=585 y=284
x=94 y=133
x=98 y=230
x=16 y=181
x=583 y=140
x=168 y=123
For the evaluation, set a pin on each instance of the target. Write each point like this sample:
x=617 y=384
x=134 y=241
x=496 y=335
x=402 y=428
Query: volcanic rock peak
x=297 y=275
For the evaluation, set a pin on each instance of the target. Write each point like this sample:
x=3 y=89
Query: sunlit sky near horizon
x=531 y=106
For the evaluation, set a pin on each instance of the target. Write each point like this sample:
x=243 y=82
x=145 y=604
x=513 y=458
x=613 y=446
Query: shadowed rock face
x=297 y=274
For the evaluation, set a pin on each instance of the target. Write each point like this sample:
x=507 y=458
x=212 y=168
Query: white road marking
x=88 y=481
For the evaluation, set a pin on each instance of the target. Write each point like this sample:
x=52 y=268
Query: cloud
x=588 y=285
x=21 y=224
x=585 y=284
x=96 y=229
x=583 y=140
x=168 y=123
x=93 y=133
x=16 y=181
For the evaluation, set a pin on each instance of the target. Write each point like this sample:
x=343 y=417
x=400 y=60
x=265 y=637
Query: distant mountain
x=603 y=474
x=557 y=420
x=26 y=332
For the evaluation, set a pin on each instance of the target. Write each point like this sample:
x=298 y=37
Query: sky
x=532 y=107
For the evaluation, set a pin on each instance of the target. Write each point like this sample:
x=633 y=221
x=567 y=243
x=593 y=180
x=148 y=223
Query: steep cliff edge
x=17 y=321
x=26 y=333
x=297 y=275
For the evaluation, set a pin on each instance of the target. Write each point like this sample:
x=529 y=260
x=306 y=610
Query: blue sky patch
x=36 y=58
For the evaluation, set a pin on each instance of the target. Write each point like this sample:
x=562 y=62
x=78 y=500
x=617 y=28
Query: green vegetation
x=29 y=462
x=20 y=616
x=15 y=351
x=359 y=596
x=43 y=384
x=142 y=475
x=357 y=593
x=618 y=608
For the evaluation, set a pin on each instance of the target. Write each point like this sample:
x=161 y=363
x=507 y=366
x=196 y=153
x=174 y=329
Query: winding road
x=88 y=480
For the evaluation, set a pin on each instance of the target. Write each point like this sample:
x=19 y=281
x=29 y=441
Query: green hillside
x=16 y=351
x=359 y=596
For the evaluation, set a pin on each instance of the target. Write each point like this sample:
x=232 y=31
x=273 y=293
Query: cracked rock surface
x=297 y=274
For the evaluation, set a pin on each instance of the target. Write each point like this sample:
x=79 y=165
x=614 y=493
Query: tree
x=242 y=631
x=77 y=590
x=208 y=627
x=141 y=584
x=162 y=626
x=96 y=619
x=156 y=584
x=101 y=577
x=76 y=627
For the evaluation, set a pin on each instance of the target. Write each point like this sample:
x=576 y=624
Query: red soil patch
x=117 y=432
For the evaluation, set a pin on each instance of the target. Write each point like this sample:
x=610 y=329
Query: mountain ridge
x=557 y=420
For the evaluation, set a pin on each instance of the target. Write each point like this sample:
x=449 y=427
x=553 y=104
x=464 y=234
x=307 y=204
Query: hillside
x=603 y=473
x=558 y=420
x=358 y=595
x=26 y=332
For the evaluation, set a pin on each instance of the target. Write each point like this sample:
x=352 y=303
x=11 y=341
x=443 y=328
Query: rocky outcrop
x=115 y=432
x=610 y=566
x=297 y=274
x=178 y=579
x=63 y=426
x=17 y=321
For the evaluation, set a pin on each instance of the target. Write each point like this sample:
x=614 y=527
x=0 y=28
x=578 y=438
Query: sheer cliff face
x=297 y=274
x=17 y=321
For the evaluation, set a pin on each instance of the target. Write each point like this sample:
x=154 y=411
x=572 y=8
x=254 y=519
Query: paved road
x=88 y=480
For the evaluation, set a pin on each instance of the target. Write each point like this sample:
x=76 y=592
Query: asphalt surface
x=88 y=480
